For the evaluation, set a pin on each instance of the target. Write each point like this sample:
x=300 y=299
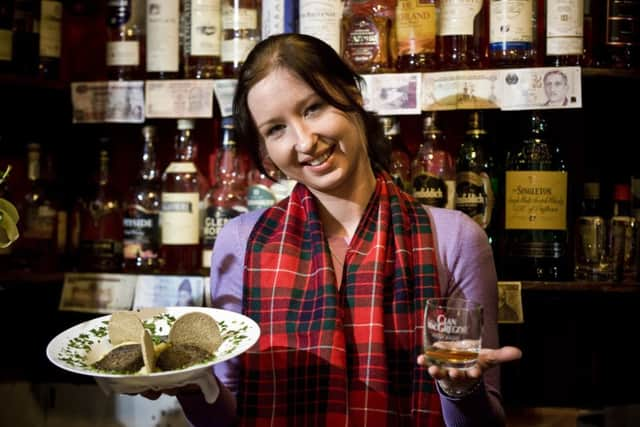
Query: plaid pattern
x=347 y=357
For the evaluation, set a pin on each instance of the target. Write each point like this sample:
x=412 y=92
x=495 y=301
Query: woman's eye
x=274 y=129
x=312 y=108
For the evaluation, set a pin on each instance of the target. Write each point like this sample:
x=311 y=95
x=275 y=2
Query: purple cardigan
x=465 y=268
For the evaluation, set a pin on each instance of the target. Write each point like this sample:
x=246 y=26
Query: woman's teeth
x=321 y=159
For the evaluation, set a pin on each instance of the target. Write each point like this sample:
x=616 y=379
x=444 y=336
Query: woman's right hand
x=155 y=394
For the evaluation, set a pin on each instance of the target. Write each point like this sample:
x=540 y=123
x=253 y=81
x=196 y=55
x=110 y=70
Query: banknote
x=392 y=93
x=541 y=88
x=168 y=291
x=179 y=98
x=510 y=302
x=457 y=90
x=99 y=293
x=108 y=102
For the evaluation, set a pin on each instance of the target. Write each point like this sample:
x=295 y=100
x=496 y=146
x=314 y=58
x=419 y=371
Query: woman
x=337 y=275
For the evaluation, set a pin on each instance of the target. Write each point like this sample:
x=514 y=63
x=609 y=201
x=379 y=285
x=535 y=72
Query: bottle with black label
x=142 y=212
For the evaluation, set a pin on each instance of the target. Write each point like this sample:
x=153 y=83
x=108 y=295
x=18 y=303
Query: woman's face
x=308 y=139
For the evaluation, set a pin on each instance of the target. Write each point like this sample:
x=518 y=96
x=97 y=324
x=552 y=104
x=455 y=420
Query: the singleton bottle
x=240 y=33
x=163 y=34
x=415 y=28
x=180 y=214
x=125 y=37
x=142 y=212
x=474 y=174
x=223 y=201
x=400 y=166
x=535 y=207
x=456 y=33
x=564 y=32
x=6 y=35
x=433 y=171
x=50 y=38
x=201 y=35
x=100 y=223
x=511 y=33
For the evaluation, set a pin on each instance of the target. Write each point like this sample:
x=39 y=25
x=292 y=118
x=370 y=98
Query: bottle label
x=474 y=196
x=260 y=196
x=50 y=28
x=181 y=167
x=321 y=19
x=204 y=35
x=141 y=233
x=565 y=27
x=362 y=41
x=240 y=18
x=162 y=36
x=40 y=222
x=416 y=26
x=236 y=49
x=536 y=200
x=123 y=53
x=214 y=219
x=180 y=219
x=510 y=22
x=100 y=255
x=6 y=45
x=457 y=16
x=430 y=190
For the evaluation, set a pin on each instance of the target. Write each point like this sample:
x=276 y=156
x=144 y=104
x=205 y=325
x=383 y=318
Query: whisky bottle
x=50 y=38
x=180 y=213
x=433 y=172
x=474 y=173
x=240 y=33
x=511 y=33
x=100 y=222
x=25 y=37
x=455 y=37
x=259 y=187
x=141 y=222
x=536 y=207
x=321 y=19
x=6 y=35
x=163 y=33
x=125 y=40
x=400 y=165
x=415 y=29
x=201 y=35
x=564 y=32
x=223 y=201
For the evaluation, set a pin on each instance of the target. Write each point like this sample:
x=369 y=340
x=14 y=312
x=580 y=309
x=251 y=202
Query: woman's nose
x=306 y=139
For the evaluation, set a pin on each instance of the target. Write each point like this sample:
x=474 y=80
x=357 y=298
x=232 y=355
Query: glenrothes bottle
x=400 y=166
x=142 y=212
x=180 y=214
x=223 y=201
x=163 y=39
x=240 y=33
x=433 y=172
x=100 y=220
x=474 y=173
x=201 y=38
x=456 y=33
x=125 y=40
x=415 y=33
x=536 y=207
x=50 y=38
x=564 y=23
x=512 y=33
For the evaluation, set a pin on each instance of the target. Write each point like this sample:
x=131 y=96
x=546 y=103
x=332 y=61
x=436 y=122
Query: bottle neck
x=149 y=171
x=186 y=150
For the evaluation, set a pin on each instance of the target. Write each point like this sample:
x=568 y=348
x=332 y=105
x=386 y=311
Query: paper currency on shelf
x=224 y=90
x=524 y=88
x=168 y=291
x=188 y=98
x=465 y=89
x=510 y=302
x=393 y=94
x=97 y=293
x=108 y=102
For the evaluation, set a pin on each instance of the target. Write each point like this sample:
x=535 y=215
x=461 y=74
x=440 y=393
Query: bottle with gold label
x=535 y=207
x=415 y=28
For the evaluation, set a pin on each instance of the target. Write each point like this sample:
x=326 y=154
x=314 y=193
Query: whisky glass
x=452 y=332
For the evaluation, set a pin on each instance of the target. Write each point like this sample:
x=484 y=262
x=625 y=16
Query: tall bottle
x=321 y=19
x=433 y=172
x=400 y=167
x=180 y=213
x=536 y=207
x=240 y=33
x=26 y=36
x=512 y=33
x=201 y=35
x=224 y=200
x=474 y=167
x=6 y=35
x=456 y=32
x=142 y=212
x=415 y=27
x=564 y=32
x=50 y=38
x=100 y=222
x=163 y=34
x=622 y=230
x=125 y=40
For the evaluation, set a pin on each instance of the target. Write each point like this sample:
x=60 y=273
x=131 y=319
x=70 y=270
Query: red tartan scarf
x=329 y=357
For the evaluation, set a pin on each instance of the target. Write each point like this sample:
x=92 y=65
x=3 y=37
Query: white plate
x=78 y=347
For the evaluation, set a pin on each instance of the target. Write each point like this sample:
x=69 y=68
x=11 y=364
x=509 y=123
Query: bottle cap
x=390 y=125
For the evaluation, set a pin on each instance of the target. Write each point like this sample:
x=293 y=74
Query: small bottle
x=180 y=213
x=590 y=237
x=400 y=166
x=415 y=28
x=223 y=201
x=6 y=36
x=100 y=221
x=201 y=38
x=536 y=207
x=564 y=32
x=240 y=33
x=125 y=40
x=512 y=33
x=142 y=213
x=50 y=38
x=163 y=45
x=456 y=33
x=26 y=37
x=433 y=172
x=474 y=168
